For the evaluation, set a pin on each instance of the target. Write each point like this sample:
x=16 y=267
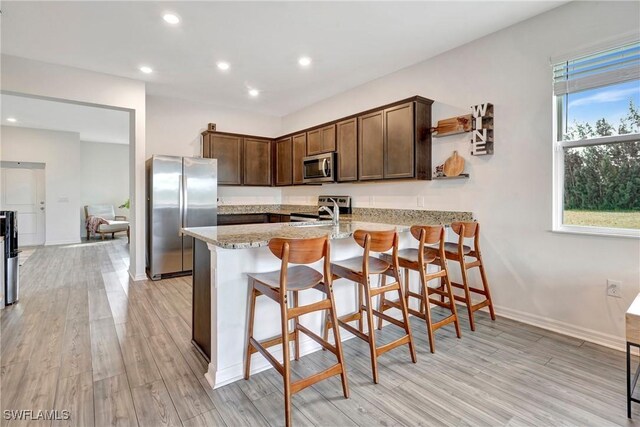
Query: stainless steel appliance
x=320 y=168
x=181 y=192
x=10 y=277
x=344 y=208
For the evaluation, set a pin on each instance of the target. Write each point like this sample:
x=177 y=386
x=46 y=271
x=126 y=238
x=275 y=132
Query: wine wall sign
x=482 y=129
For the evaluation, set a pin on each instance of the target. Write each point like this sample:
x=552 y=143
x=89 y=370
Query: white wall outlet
x=614 y=288
x=421 y=201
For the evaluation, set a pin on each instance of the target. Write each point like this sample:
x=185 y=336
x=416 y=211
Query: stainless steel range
x=324 y=203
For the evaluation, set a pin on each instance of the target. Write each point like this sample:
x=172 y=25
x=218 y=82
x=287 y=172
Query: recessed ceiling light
x=254 y=92
x=12 y=119
x=304 y=61
x=171 y=18
x=146 y=70
x=224 y=66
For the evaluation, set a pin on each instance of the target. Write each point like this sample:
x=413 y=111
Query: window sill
x=600 y=232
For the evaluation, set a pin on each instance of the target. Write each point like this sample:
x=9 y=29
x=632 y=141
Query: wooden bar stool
x=418 y=260
x=358 y=270
x=460 y=252
x=276 y=285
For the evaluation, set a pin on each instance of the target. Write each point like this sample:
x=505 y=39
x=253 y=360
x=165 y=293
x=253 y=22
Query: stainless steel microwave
x=320 y=168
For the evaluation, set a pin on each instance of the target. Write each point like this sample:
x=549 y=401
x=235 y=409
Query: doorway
x=23 y=190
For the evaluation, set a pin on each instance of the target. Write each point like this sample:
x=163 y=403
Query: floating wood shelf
x=453 y=126
x=461 y=176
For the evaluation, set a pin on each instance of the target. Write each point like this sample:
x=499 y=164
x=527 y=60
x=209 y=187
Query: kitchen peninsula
x=223 y=256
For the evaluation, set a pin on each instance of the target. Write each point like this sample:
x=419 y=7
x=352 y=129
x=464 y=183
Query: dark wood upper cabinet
x=299 y=152
x=257 y=162
x=347 y=148
x=371 y=146
x=284 y=157
x=321 y=140
x=399 y=146
x=314 y=142
x=392 y=141
x=228 y=150
x=328 y=138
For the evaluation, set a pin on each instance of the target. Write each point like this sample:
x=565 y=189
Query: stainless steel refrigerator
x=181 y=192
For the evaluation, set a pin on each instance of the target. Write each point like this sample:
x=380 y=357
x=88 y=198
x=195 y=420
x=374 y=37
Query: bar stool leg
x=383 y=282
x=295 y=327
x=360 y=303
x=487 y=293
x=442 y=288
x=286 y=375
x=467 y=294
x=452 y=301
x=252 y=313
x=372 y=337
x=405 y=317
x=425 y=300
x=338 y=342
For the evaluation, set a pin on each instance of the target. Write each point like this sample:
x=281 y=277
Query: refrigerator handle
x=185 y=201
x=180 y=203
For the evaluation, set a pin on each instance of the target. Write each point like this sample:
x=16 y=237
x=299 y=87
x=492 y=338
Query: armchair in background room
x=102 y=219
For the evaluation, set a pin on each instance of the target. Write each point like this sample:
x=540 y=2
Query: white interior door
x=23 y=191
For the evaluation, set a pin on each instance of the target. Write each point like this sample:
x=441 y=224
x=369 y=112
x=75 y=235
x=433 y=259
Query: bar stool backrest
x=429 y=235
x=467 y=229
x=379 y=241
x=300 y=251
x=432 y=233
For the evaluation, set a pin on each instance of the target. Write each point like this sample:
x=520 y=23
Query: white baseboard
x=137 y=277
x=612 y=341
x=62 y=242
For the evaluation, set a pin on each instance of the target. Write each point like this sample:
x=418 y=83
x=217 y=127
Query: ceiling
x=92 y=123
x=350 y=43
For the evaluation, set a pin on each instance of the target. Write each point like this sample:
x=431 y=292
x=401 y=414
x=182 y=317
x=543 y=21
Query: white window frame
x=558 y=176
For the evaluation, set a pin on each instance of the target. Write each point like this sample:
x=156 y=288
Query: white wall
x=60 y=151
x=40 y=79
x=104 y=176
x=174 y=127
x=555 y=280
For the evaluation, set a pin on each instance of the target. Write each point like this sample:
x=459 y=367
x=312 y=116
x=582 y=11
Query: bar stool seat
x=376 y=266
x=453 y=248
x=301 y=277
x=411 y=255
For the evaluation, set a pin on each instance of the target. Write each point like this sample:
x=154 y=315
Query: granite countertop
x=265 y=209
x=389 y=216
x=258 y=235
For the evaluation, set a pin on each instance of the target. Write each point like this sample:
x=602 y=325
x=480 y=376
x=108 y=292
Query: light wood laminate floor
x=84 y=338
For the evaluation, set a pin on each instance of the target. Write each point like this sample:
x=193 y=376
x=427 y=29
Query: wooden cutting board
x=454 y=165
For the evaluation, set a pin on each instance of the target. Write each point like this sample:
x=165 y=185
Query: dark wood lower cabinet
x=258 y=218
x=201 y=298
